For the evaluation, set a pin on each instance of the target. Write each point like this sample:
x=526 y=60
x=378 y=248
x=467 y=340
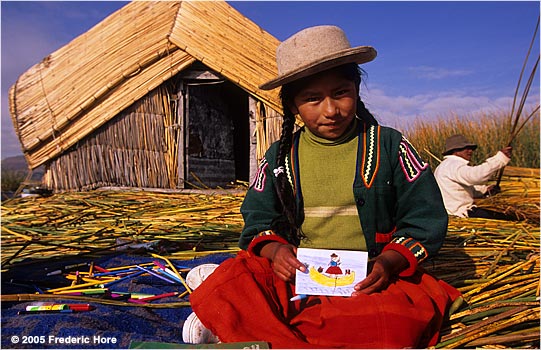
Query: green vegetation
x=12 y=179
x=491 y=132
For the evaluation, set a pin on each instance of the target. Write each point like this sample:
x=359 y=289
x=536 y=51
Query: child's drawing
x=330 y=272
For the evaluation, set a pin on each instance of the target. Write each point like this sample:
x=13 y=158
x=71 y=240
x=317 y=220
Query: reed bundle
x=520 y=196
x=495 y=265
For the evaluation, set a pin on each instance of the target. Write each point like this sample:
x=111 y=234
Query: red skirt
x=243 y=300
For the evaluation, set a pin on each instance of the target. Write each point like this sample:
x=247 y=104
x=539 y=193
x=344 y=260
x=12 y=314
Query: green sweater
x=399 y=204
x=327 y=171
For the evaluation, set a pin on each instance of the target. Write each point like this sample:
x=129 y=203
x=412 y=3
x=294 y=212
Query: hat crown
x=456 y=142
x=314 y=50
x=310 y=45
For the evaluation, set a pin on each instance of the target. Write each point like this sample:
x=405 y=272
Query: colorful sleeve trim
x=258 y=183
x=411 y=249
x=371 y=153
x=410 y=161
x=264 y=237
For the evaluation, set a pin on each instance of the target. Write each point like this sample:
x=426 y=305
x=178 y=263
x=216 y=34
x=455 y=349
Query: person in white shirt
x=460 y=183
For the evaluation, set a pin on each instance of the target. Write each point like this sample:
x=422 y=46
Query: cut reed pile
x=102 y=221
x=495 y=264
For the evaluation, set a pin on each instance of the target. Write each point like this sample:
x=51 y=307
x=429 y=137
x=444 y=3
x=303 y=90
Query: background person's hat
x=457 y=142
x=313 y=50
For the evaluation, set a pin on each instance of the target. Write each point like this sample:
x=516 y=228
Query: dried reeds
x=138 y=149
x=94 y=222
x=495 y=264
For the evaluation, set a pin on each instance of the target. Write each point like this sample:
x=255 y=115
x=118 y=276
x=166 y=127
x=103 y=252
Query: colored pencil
x=71 y=288
x=156 y=274
x=135 y=274
x=174 y=270
x=160 y=296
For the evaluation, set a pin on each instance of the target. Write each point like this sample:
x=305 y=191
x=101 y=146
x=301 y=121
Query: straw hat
x=313 y=50
x=457 y=142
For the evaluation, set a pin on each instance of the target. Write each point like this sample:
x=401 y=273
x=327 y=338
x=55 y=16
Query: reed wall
x=136 y=149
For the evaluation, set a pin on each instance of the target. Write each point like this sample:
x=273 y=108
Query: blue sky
x=435 y=59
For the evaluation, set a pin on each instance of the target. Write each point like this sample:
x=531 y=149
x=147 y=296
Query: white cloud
x=434 y=73
x=401 y=111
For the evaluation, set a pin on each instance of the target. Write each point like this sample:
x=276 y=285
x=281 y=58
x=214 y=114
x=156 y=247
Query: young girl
x=340 y=182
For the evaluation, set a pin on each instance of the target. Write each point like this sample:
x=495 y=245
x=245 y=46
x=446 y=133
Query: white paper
x=330 y=271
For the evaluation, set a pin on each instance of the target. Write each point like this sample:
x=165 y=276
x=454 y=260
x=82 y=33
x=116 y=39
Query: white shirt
x=460 y=183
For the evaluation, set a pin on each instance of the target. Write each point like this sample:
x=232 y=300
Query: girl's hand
x=386 y=265
x=284 y=260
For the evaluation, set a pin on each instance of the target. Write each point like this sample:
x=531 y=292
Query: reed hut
x=159 y=94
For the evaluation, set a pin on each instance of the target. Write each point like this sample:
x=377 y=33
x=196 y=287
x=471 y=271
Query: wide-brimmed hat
x=313 y=50
x=457 y=142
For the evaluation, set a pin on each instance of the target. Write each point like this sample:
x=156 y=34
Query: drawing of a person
x=333 y=268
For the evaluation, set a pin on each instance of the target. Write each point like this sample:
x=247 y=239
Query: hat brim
x=471 y=145
x=359 y=55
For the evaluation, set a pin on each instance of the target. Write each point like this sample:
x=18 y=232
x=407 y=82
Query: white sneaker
x=198 y=274
x=193 y=332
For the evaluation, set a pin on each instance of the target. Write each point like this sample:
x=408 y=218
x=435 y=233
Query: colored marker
x=46 y=307
x=56 y=307
x=100 y=269
x=126 y=295
x=298 y=297
x=81 y=307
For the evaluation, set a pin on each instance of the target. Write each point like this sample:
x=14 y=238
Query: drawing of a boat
x=331 y=280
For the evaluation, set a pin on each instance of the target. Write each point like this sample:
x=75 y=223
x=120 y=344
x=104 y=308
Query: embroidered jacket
x=398 y=200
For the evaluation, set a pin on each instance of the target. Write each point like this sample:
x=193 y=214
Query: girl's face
x=327 y=104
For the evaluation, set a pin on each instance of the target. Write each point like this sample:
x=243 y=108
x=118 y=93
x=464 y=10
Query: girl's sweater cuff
x=263 y=238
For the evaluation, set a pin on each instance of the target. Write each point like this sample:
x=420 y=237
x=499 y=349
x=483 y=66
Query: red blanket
x=243 y=300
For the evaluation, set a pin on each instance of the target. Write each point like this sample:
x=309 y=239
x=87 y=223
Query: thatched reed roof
x=84 y=84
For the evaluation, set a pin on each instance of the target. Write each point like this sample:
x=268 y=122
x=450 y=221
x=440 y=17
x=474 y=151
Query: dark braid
x=364 y=114
x=287 y=225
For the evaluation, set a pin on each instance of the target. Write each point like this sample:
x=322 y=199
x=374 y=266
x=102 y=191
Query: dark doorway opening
x=217 y=134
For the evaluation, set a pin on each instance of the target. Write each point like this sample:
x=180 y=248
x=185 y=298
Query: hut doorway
x=217 y=134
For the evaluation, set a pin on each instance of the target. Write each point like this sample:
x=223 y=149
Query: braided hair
x=287 y=224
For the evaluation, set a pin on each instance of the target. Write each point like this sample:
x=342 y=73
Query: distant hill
x=18 y=164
